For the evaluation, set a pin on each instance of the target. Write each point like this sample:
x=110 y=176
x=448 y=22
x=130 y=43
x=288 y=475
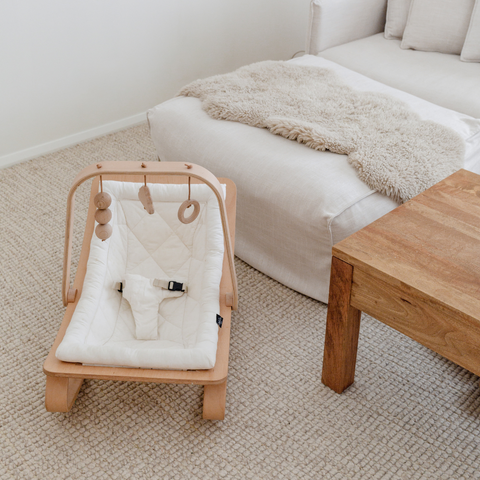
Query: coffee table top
x=431 y=244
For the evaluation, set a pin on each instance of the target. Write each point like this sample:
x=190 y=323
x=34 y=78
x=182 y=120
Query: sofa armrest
x=334 y=22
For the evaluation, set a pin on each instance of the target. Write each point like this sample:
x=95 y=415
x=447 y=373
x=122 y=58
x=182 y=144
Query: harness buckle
x=175 y=286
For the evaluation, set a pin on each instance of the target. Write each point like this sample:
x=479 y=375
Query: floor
x=411 y=414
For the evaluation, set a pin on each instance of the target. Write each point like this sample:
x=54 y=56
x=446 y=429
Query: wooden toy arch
x=142 y=169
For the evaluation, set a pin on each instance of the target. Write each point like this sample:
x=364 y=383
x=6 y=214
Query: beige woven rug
x=410 y=414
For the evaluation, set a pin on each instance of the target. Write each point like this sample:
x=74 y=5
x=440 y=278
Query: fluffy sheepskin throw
x=394 y=151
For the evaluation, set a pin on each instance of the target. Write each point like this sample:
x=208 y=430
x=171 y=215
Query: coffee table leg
x=343 y=326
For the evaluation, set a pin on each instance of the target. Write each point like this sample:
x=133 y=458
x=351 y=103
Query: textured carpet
x=410 y=414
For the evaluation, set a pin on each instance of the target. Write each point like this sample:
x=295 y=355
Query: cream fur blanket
x=393 y=150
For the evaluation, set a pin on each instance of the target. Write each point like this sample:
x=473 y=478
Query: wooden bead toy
x=103 y=231
x=103 y=216
x=102 y=200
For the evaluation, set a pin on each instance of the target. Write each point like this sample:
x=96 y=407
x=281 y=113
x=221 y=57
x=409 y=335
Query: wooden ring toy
x=181 y=211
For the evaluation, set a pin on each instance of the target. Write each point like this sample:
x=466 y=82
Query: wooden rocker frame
x=64 y=379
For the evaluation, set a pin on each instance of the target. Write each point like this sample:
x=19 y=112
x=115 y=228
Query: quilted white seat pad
x=102 y=329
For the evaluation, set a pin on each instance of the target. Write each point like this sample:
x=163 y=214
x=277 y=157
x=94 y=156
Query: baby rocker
x=155 y=284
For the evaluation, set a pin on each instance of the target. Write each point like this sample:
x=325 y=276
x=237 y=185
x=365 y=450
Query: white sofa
x=294 y=203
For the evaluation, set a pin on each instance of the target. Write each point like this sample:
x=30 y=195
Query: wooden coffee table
x=416 y=269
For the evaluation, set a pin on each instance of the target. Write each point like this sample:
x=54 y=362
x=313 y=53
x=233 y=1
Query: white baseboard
x=69 y=140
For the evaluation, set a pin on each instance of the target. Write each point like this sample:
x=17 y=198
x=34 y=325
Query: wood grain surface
x=416 y=269
x=431 y=243
x=343 y=325
x=448 y=332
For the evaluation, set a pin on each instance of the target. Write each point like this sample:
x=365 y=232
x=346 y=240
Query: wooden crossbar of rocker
x=64 y=379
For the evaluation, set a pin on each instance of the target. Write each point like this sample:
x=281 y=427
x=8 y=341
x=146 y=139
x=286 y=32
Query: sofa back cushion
x=471 y=47
x=397 y=14
x=437 y=25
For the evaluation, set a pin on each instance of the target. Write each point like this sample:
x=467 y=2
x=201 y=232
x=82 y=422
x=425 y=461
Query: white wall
x=74 y=69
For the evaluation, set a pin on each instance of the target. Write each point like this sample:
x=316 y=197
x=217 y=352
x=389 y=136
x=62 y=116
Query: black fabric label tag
x=219 y=320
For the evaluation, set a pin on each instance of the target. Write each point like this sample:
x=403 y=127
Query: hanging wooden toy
x=145 y=197
x=103 y=214
x=187 y=204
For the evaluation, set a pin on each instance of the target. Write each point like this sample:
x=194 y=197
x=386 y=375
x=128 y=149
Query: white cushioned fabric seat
x=157 y=246
x=294 y=203
x=439 y=78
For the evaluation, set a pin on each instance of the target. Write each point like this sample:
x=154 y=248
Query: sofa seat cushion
x=437 y=77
